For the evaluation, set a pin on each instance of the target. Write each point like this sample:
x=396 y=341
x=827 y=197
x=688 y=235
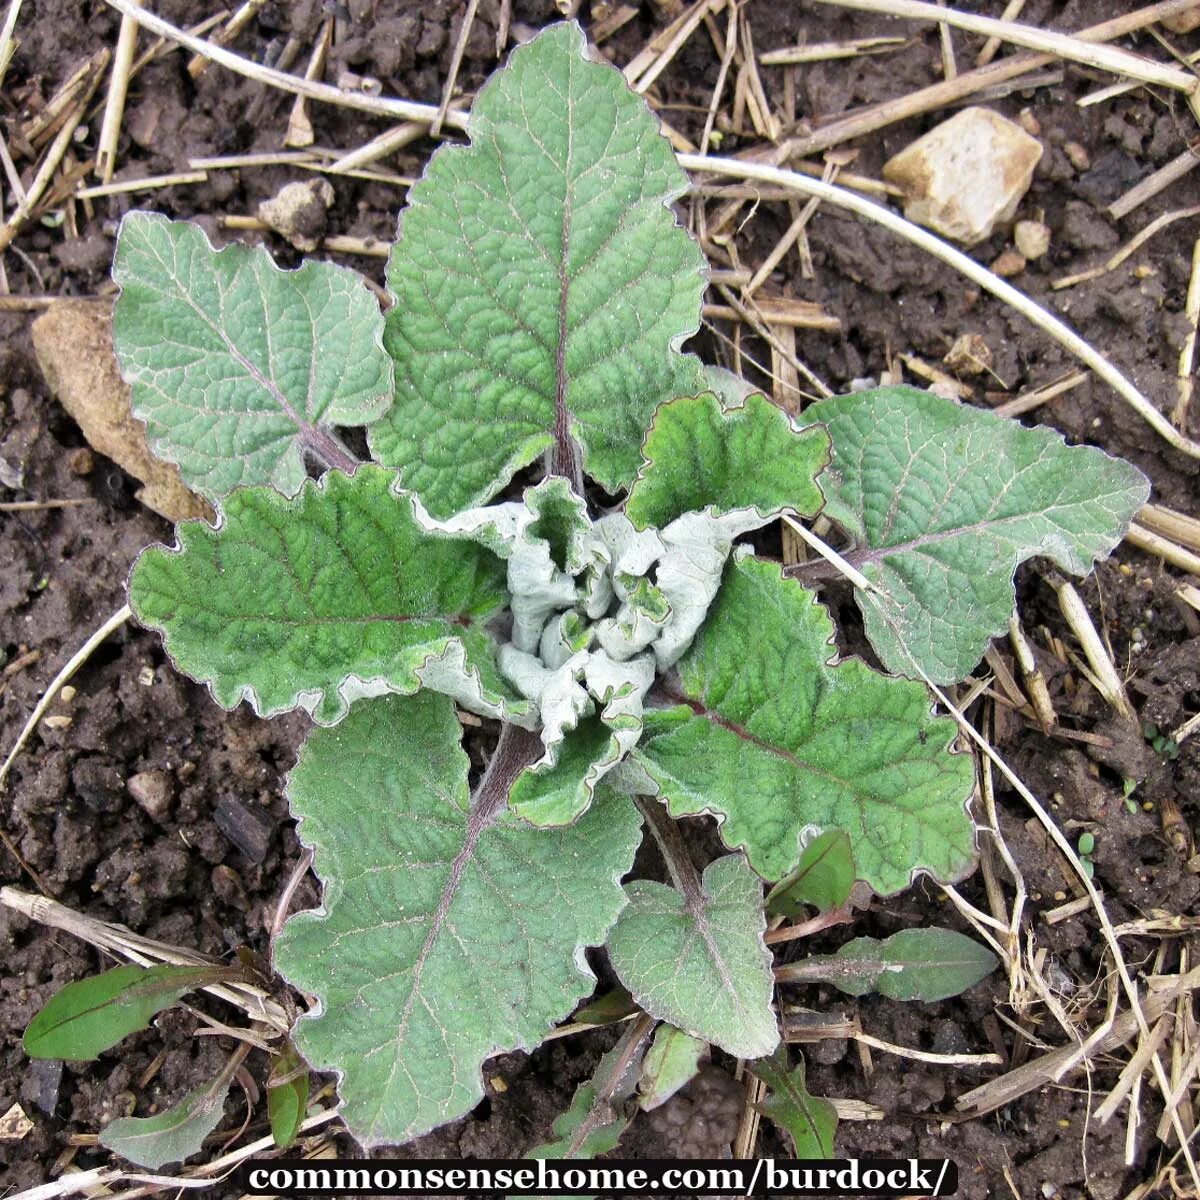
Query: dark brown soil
x=185 y=874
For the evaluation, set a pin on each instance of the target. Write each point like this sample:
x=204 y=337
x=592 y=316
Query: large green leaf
x=698 y=961
x=701 y=455
x=944 y=501
x=775 y=742
x=448 y=932
x=316 y=601
x=542 y=284
x=239 y=368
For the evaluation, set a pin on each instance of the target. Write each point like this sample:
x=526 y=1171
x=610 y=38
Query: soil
x=199 y=857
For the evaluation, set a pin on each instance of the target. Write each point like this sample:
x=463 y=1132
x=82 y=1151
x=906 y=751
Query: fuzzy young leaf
x=698 y=961
x=773 y=740
x=823 y=878
x=542 y=284
x=701 y=455
x=316 y=601
x=944 y=502
x=85 y=1018
x=672 y=1062
x=808 y=1121
x=239 y=368
x=172 y=1135
x=448 y=933
x=914 y=964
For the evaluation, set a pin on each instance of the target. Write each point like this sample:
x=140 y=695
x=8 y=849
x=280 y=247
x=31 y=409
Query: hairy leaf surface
x=239 y=368
x=944 y=502
x=774 y=740
x=448 y=933
x=541 y=282
x=316 y=601
x=701 y=455
x=698 y=961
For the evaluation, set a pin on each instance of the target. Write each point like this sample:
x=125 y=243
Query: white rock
x=1032 y=238
x=967 y=175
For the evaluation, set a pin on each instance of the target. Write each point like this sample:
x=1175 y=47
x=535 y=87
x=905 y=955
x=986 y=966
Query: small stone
x=67 y=694
x=146 y=676
x=970 y=355
x=1032 y=239
x=154 y=791
x=81 y=462
x=967 y=175
x=1008 y=263
x=1183 y=22
x=1029 y=122
x=57 y=722
x=14 y=1125
x=298 y=212
x=1078 y=156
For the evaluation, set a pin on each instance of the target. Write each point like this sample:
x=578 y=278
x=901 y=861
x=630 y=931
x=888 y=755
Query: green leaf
x=239 y=368
x=914 y=964
x=542 y=283
x=448 y=933
x=944 y=501
x=776 y=742
x=672 y=1062
x=85 y=1018
x=809 y=1121
x=700 y=455
x=317 y=601
x=615 y=1005
x=823 y=878
x=172 y=1135
x=588 y=1128
x=287 y=1096
x=698 y=961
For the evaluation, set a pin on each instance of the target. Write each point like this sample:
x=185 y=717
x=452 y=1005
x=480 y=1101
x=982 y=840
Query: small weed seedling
x=643 y=665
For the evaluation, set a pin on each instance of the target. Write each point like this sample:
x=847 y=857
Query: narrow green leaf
x=808 y=1121
x=914 y=964
x=604 y=1010
x=944 y=502
x=448 y=934
x=698 y=961
x=700 y=455
x=85 y=1018
x=172 y=1135
x=588 y=1128
x=542 y=283
x=317 y=601
x=823 y=878
x=239 y=368
x=776 y=742
x=672 y=1062
x=287 y=1099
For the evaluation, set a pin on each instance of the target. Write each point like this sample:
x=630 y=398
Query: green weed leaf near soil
x=630 y=655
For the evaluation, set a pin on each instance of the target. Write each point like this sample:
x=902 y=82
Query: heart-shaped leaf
x=239 y=368
x=698 y=960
